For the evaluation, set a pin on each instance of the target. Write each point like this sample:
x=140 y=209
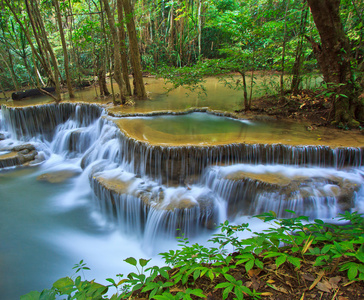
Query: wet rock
x=58 y=176
x=22 y=147
x=2 y=136
x=24 y=158
x=18 y=155
x=9 y=160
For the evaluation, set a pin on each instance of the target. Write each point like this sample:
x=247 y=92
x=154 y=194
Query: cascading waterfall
x=311 y=191
x=153 y=191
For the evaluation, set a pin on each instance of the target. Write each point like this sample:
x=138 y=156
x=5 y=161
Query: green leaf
x=360 y=256
x=222 y=285
x=326 y=249
x=352 y=272
x=198 y=293
x=34 y=295
x=259 y=264
x=64 y=285
x=318 y=221
x=211 y=275
x=143 y=262
x=238 y=293
x=196 y=274
x=280 y=260
x=229 y=277
x=249 y=265
x=294 y=261
x=150 y=286
x=48 y=294
x=131 y=260
x=227 y=291
x=164 y=273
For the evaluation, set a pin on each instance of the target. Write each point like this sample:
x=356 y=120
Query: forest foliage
x=77 y=42
x=294 y=259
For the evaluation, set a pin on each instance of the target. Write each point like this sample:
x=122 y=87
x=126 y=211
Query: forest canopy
x=72 y=43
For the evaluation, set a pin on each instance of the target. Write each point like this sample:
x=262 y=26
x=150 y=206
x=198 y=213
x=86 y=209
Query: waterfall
x=311 y=191
x=159 y=191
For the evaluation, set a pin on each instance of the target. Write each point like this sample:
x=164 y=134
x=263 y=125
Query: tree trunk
x=117 y=57
x=102 y=83
x=39 y=30
x=134 y=51
x=64 y=48
x=333 y=56
x=199 y=22
x=123 y=48
x=245 y=91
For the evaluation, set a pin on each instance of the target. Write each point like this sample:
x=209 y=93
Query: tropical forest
x=181 y=149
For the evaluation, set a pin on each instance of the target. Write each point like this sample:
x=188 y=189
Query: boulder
x=58 y=176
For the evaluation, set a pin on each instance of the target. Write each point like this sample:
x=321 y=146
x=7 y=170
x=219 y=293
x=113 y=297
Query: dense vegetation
x=71 y=43
x=293 y=259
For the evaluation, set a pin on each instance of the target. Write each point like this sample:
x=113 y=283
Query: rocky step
x=181 y=210
x=18 y=155
x=252 y=193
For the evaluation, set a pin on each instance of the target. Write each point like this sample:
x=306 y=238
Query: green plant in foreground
x=292 y=240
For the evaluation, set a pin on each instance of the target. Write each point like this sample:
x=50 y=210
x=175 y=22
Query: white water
x=46 y=228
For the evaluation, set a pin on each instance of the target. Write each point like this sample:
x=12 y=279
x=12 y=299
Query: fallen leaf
x=254 y=272
x=308 y=277
x=323 y=287
x=248 y=284
x=334 y=281
x=270 y=281
x=267 y=294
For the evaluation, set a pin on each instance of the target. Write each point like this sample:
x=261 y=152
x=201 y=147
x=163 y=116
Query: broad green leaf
x=48 y=294
x=196 y=274
x=259 y=264
x=229 y=277
x=131 y=260
x=198 y=293
x=222 y=285
x=352 y=272
x=360 y=256
x=227 y=291
x=280 y=260
x=62 y=283
x=143 y=262
x=294 y=261
x=249 y=265
x=33 y=295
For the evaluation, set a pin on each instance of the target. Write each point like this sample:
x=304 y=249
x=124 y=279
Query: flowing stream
x=96 y=192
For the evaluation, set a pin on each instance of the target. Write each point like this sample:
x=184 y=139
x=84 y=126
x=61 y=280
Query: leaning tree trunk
x=38 y=25
x=64 y=48
x=333 y=56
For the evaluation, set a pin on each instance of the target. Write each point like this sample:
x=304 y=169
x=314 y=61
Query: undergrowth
x=294 y=244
